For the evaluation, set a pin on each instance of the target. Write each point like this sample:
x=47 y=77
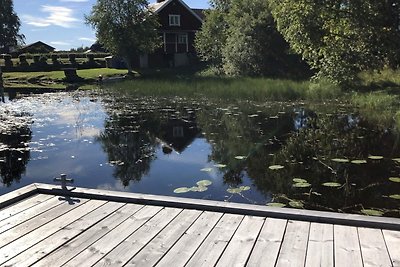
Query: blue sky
x=60 y=23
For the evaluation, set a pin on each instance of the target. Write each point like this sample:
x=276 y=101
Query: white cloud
x=58 y=16
x=60 y=43
x=86 y=39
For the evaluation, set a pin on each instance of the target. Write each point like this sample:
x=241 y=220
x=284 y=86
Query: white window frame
x=174 y=20
x=185 y=38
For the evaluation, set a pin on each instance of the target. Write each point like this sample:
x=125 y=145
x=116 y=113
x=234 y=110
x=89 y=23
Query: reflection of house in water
x=178 y=134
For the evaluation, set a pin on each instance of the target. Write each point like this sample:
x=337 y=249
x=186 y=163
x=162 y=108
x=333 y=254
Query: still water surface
x=322 y=156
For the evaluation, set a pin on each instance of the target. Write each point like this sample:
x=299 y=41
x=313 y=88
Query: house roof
x=38 y=43
x=157 y=7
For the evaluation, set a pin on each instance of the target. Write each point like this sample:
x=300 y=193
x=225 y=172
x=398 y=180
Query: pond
x=327 y=156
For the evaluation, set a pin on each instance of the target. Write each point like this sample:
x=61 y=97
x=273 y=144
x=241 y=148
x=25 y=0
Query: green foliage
x=340 y=38
x=9 y=30
x=127 y=28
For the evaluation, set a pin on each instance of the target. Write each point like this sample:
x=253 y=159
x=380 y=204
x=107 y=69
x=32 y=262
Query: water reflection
x=157 y=144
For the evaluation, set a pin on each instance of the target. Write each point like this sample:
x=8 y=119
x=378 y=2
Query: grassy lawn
x=54 y=79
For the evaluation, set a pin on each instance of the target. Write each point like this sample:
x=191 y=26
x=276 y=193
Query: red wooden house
x=179 y=24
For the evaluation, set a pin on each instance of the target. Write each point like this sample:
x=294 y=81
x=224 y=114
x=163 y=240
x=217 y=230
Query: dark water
x=250 y=152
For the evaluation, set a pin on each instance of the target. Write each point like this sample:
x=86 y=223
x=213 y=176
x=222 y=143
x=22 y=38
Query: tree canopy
x=126 y=28
x=340 y=38
x=10 y=24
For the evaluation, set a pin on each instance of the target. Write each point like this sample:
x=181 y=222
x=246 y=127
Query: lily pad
x=395 y=197
x=394 y=179
x=359 y=161
x=220 y=166
x=244 y=188
x=301 y=185
x=299 y=180
x=240 y=157
x=276 y=205
x=182 y=190
x=375 y=157
x=340 y=160
x=276 y=167
x=372 y=212
x=198 y=189
x=397 y=160
x=331 y=184
x=234 y=190
x=204 y=183
x=296 y=204
x=206 y=170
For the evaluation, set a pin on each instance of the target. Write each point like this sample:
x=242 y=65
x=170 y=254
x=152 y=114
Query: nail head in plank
x=181 y=252
x=268 y=244
x=156 y=249
x=240 y=246
x=347 y=246
x=294 y=246
x=392 y=242
x=216 y=242
x=100 y=248
x=320 y=245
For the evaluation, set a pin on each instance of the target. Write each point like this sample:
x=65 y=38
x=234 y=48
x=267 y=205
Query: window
x=182 y=39
x=174 y=20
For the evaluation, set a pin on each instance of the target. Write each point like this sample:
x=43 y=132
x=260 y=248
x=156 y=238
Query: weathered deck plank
x=115 y=229
x=294 y=246
x=212 y=248
x=128 y=248
x=156 y=249
x=22 y=206
x=100 y=248
x=44 y=247
x=347 y=246
x=75 y=246
x=373 y=248
x=270 y=240
x=392 y=239
x=13 y=249
x=181 y=252
x=320 y=245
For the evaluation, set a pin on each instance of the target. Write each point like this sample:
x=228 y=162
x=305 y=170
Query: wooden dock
x=45 y=225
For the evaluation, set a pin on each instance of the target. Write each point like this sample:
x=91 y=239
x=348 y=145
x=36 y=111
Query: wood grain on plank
x=216 y=242
x=100 y=248
x=320 y=245
x=373 y=247
x=17 y=195
x=23 y=205
x=156 y=249
x=181 y=252
x=44 y=247
x=75 y=246
x=121 y=254
x=13 y=249
x=347 y=246
x=266 y=250
x=240 y=246
x=294 y=246
x=29 y=214
x=392 y=240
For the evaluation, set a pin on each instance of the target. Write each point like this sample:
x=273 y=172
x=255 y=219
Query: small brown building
x=36 y=48
x=179 y=24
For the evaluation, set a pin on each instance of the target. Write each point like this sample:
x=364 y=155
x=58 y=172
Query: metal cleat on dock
x=64 y=180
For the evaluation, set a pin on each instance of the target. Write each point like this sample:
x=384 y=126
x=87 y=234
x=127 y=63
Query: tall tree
x=10 y=24
x=127 y=28
x=340 y=38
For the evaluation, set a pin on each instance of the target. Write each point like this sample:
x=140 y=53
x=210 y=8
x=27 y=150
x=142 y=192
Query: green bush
x=323 y=89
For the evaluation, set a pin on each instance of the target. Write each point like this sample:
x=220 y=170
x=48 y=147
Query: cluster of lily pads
x=361 y=161
x=202 y=186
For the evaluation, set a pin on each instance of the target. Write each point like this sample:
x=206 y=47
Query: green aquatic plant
x=397 y=197
x=201 y=187
x=332 y=184
x=276 y=205
x=359 y=161
x=375 y=157
x=394 y=179
x=372 y=212
x=238 y=190
x=204 y=183
x=296 y=204
x=276 y=167
x=206 y=170
x=181 y=190
x=340 y=160
x=302 y=185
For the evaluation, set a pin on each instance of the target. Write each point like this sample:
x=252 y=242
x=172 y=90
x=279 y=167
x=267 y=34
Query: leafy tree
x=340 y=38
x=9 y=30
x=126 y=28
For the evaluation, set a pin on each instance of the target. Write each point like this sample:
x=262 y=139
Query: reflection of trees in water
x=136 y=127
x=15 y=135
